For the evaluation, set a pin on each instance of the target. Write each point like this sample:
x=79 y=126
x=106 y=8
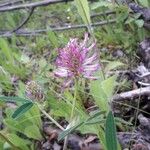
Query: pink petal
x=61 y=72
x=92 y=46
x=91 y=59
x=91 y=77
x=83 y=44
x=91 y=67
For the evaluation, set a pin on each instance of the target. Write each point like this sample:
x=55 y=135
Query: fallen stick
x=110 y=12
x=40 y=31
x=24 y=21
x=30 y=5
x=8 y=3
x=145 y=91
x=9 y=6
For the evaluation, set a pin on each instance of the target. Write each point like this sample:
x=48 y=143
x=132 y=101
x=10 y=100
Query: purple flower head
x=77 y=59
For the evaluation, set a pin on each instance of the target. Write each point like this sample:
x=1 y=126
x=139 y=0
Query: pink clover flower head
x=77 y=59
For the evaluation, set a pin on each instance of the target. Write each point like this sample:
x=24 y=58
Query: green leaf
x=102 y=92
x=84 y=11
x=1 y=144
x=113 y=65
x=53 y=38
x=68 y=131
x=95 y=115
x=14 y=125
x=18 y=142
x=95 y=121
x=129 y=20
x=144 y=3
x=59 y=108
x=108 y=86
x=99 y=4
x=33 y=132
x=139 y=23
x=137 y=15
x=86 y=122
x=95 y=118
x=99 y=95
x=35 y=116
x=110 y=133
x=13 y=99
x=6 y=50
x=22 y=109
x=7 y=144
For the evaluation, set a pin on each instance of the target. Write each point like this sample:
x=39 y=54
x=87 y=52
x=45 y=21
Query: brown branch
x=24 y=22
x=8 y=3
x=103 y=13
x=38 y=32
x=31 y=5
x=145 y=91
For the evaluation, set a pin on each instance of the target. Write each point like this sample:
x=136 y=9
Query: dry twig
x=24 y=22
x=8 y=3
x=132 y=94
x=40 y=31
x=30 y=5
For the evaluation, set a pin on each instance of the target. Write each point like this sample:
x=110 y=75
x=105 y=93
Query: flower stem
x=74 y=100
x=49 y=117
x=72 y=111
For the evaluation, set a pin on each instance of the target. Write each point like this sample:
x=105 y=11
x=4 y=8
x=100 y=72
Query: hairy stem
x=49 y=117
x=72 y=111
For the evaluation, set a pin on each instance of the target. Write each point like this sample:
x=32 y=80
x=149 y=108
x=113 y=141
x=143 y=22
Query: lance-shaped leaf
x=84 y=12
x=110 y=133
x=13 y=99
x=22 y=109
x=68 y=131
x=86 y=122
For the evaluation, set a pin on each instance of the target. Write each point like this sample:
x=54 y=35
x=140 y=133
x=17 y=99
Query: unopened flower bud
x=34 y=91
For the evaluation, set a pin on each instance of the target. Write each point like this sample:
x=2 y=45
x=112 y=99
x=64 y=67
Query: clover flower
x=77 y=59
